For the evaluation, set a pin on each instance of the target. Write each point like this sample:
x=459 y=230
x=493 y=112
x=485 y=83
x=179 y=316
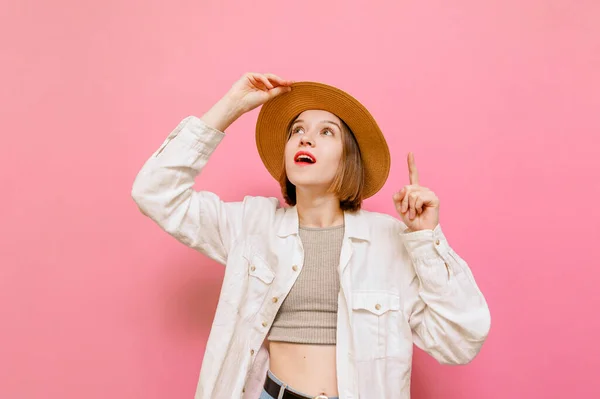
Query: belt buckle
x=321 y=397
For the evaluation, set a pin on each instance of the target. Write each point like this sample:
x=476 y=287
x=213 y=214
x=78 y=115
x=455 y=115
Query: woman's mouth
x=304 y=158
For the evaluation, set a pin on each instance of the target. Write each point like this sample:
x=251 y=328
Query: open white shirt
x=396 y=287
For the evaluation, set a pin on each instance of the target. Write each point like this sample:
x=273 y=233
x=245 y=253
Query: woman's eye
x=328 y=131
x=297 y=130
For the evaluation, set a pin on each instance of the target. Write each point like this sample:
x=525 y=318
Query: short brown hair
x=349 y=179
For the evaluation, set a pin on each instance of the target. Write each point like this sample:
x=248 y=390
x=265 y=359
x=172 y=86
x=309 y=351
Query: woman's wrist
x=221 y=115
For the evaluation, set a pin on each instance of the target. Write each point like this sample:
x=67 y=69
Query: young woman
x=320 y=298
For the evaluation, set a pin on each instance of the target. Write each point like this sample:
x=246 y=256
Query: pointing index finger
x=413 y=174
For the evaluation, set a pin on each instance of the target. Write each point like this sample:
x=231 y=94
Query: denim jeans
x=265 y=395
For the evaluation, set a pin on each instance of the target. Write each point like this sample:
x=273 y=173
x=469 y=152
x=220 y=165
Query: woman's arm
x=163 y=188
x=447 y=312
x=163 y=191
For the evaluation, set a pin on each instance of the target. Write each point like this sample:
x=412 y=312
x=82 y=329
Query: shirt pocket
x=259 y=281
x=379 y=325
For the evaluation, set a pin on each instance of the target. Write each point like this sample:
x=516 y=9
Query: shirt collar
x=355 y=225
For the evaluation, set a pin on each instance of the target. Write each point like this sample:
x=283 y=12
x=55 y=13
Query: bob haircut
x=349 y=179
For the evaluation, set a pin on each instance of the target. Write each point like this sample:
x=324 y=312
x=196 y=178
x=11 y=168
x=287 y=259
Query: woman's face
x=314 y=150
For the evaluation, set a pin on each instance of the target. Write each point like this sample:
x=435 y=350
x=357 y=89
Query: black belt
x=273 y=388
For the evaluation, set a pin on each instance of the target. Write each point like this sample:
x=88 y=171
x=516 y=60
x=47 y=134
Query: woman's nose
x=306 y=140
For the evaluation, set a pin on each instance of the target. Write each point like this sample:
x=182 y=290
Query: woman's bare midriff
x=310 y=369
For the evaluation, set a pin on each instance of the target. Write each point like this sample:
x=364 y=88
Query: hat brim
x=277 y=113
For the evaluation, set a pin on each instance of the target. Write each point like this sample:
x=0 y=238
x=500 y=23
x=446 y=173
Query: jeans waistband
x=278 y=381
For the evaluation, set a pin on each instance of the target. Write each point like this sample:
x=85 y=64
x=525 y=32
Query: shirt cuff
x=426 y=244
x=192 y=132
x=207 y=137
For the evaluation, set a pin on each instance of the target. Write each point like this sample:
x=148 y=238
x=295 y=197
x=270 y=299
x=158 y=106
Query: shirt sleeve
x=446 y=310
x=163 y=191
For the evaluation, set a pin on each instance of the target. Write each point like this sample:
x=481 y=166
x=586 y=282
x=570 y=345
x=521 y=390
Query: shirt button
x=264 y=323
x=378 y=306
x=294 y=268
x=252 y=351
x=253 y=268
x=275 y=299
x=437 y=242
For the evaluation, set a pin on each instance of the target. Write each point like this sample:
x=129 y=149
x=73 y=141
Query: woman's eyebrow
x=323 y=121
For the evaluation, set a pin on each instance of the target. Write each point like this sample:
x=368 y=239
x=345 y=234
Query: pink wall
x=499 y=100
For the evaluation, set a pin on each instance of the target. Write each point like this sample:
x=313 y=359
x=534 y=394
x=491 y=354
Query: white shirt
x=397 y=287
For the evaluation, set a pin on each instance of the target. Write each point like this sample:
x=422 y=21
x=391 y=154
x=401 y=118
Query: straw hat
x=277 y=113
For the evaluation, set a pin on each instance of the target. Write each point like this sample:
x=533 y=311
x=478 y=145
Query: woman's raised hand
x=250 y=91
x=254 y=89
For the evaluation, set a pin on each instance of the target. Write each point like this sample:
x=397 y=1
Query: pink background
x=499 y=100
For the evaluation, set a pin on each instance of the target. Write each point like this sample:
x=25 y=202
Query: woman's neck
x=320 y=211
